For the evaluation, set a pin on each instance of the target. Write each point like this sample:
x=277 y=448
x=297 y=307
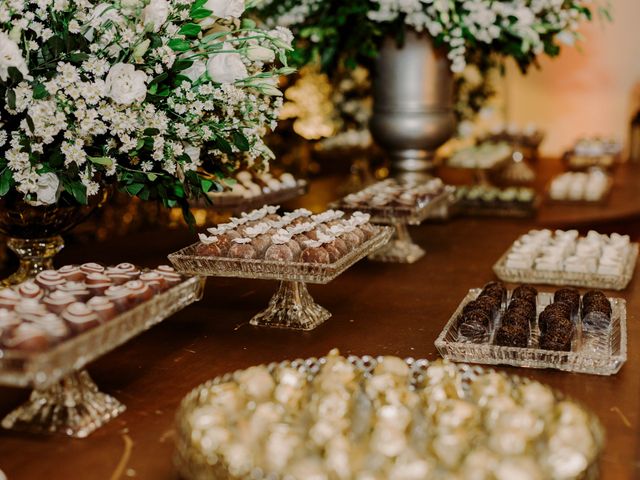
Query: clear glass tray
x=192 y=464
x=581 y=359
x=401 y=248
x=292 y=306
x=560 y=278
x=237 y=203
x=57 y=374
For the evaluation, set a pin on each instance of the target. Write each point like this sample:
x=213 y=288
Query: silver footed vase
x=413 y=102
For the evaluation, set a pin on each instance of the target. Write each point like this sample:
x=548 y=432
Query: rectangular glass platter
x=561 y=278
x=579 y=360
x=41 y=369
x=188 y=262
x=413 y=215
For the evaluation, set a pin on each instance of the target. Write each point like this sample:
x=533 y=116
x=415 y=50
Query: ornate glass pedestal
x=35 y=254
x=292 y=307
x=73 y=406
x=400 y=248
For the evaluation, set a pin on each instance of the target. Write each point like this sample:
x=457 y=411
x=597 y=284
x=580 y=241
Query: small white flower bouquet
x=167 y=98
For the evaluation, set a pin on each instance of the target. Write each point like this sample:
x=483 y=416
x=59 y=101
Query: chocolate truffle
x=103 y=308
x=30 y=308
x=351 y=239
x=591 y=295
x=315 y=255
x=58 y=301
x=557 y=340
x=55 y=328
x=512 y=335
x=334 y=253
x=341 y=246
x=261 y=243
x=525 y=291
x=516 y=317
x=30 y=289
x=78 y=289
x=295 y=248
x=119 y=295
x=570 y=296
x=28 y=337
x=474 y=324
x=139 y=292
x=97 y=283
x=555 y=321
x=71 y=273
x=244 y=251
x=279 y=253
x=91 y=267
x=156 y=282
x=49 y=279
x=496 y=290
x=80 y=317
x=9 y=298
x=368 y=230
x=169 y=274
x=489 y=303
x=522 y=304
x=208 y=250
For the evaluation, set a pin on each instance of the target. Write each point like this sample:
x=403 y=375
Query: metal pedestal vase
x=413 y=102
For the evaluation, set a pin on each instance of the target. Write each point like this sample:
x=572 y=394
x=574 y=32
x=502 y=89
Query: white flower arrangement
x=521 y=29
x=164 y=97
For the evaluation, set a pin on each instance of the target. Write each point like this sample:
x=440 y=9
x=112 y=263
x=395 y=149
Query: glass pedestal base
x=35 y=255
x=400 y=248
x=74 y=406
x=292 y=307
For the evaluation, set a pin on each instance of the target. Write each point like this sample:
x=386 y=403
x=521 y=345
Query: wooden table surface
x=377 y=309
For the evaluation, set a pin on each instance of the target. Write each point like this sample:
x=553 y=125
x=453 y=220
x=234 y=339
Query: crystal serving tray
x=237 y=203
x=401 y=248
x=292 y=306
x=58 y=374
x=192 y=464
x=581 y=359
x=561 y=278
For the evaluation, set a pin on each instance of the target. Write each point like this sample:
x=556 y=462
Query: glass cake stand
x=581 y=358
x=562 y=278
x=235 y=204
x=292 y=306
x=401 y=248
x=65 y=399
x=192 y=464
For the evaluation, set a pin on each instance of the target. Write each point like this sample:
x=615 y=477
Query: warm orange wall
x=589 y=90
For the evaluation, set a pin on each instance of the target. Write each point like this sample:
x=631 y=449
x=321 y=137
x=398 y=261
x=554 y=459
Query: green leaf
x=151 y=132
x=6 y=180
x=206 y=184
x=179 y=45
x=180 y=65
x=223 y=145
x=11 y=99
x=159 y=78
x=240 y=141
x=198 y=4
x=15 y=75
x=152 y=176
x=39 y=91
x=78 y=57
x=32 y=127
x=198 y=13
x=134 y=188
x=79 y=191
x=190 y=30
x=106 y=161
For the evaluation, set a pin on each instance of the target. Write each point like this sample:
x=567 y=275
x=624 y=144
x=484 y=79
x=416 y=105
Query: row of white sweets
x=575 y=186
x=565 y=251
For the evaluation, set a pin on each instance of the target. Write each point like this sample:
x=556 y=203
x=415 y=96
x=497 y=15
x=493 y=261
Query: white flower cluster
x=91 y=90
x=459 y=23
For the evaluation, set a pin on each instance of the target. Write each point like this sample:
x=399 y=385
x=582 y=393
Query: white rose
x=11 y=56
x=260 y=54
x=156 y=13
x=226 y=67
x=195 y=71
x=225 y=8
x=125 y=84
x=47 y=189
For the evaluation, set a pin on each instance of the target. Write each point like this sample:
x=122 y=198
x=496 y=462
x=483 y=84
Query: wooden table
x=377 y=309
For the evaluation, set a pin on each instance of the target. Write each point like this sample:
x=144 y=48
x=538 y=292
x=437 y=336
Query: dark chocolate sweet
x=590 y=296
x=476 y=318
x=516 y=317
x=570 y=296
x=524 y=291
x=556 y=339
x=495 y=289
x=600 y=305
x=555 y=321
x=524 y=305
x=489 y=303
x=208 y=250
x=512 y=335
x=315 y=255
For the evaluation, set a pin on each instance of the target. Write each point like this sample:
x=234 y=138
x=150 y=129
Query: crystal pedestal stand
x=35 y=255
x=292 y=307
x=400 y=248
x=73 y=406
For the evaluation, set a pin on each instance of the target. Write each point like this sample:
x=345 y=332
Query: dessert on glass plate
x=591 y=187
x=367 y=418
x=400 y=203
x=58 y=322
x=564 y=258
x=565 y=330
x=295 y=248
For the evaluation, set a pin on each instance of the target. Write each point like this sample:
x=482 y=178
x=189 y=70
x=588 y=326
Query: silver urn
x=413 y=101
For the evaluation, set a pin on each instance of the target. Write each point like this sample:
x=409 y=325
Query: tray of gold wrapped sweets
x=400 y=203
x=382 y=418
x=58 y=322
x=295 y=248
x=564 y=330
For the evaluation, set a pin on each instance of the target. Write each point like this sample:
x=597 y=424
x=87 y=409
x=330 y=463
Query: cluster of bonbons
x=390 y=193
x=297 y=236
x=58 y=304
